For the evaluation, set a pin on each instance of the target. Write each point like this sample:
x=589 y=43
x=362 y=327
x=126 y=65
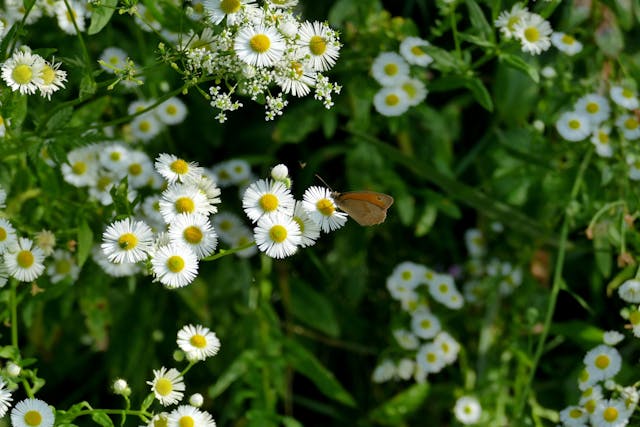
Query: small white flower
x=217 y=10
x=430 y=358
x=120 y=386
x=548 y=72
x=113 y=158
x=32 y=413
x=53 y=79
x=566 y=43
x=390 y=69
x=602 y=362
x=5 y=393
x=573 y=126
x=113 y=59
x=629 y=125
x=145 y=127
x=167 y=386
x=184 y=198
x=24 y=260
x=634 y=167
x=533 y=32
x=406 y=339
x=406 y=368
x=322 y=210
x=415 y=90
x=127 y=241
x=23 y=72
x=174 y=265
x=600 y=139
x=475 y=243
x=310 y=231
x=8 y=236
x=277 y=235
x=82 y=166
x=63 y=265
x=391 y=101
x=411 y=50
x=449 y=347
x=67 y=17
x=172 y=111
x=319 y=44
x=467 y=410
x=507 y=20
x=629 y=291
x=594 y=106
x=384 y=371
x=442 y=288
x=124 y=269
x=425 y=324
x=187 y=415
x=259 y=45
x=280 y=172
x=266 y=197
x=194 y=232
x=612 y=337
x=624 y=97
x=198 y=342
x=139 y=169
x=175 y=169
x=574 y=416
x=610 y=413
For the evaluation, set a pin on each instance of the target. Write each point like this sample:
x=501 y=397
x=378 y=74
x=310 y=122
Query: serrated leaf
x=396 y=410
x=100 y=15
x=520 y=64
x=313 y=308
x=102 y=419
x=85 y=242
x=304 y=362
x=238 y=369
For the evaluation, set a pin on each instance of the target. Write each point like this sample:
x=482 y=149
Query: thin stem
x=555 y=289
x=225 y=252
x=454 y=31
x=13 y=302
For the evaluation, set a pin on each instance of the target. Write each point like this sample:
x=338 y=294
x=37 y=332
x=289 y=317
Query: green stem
x=555 y=290
x=454 y=31
x=225 y=252
x=13 y=302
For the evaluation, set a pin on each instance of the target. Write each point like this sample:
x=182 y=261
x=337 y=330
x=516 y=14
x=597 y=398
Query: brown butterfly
x=365 y=207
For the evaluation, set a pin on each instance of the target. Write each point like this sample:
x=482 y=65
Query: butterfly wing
x=365 y=207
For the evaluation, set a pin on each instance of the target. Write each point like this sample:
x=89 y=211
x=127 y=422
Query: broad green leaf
x=100 y=15
x=479 y=21
x=9 y=352
x=405 y=206
x=304 y=362
x=479 y=92
x=313 y=308
x=394 y=411
x=102 y=419
x=87 y=85
x=520 y=64
x=147 y=402
x=578 y=331
x=237 y=370
x=85 y=242
x=59 y=119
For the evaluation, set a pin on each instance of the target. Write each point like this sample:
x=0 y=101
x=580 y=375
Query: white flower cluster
x=530 y=29
x=184 y=206
x=392 y=71
x=283 y=223
x=28 y=73
x=255 y=47
x=68 y=19
x=425 y=347
x=149 y=124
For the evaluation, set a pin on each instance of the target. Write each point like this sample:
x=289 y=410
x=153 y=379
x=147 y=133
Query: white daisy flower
x=217 y=10
x=310 y=231
x=277 y=235
x=139 y=169
x=174 y=265
x=145 y=127
x=175 y=169
x=623 y=97
x=167 y=386
x=425 y=324
x=113 y=158
x=320 y=44
x=112 y=59
x=184 y=198
x=185 y=415
x=384 y=371
x=244 y=238
x=612 y=338
x=507 y=20
x=573 y=126
x=207 y=185
x=322 y=210
x=610 y=413
x=629 y=126
x=467 y=410
x=448 y=346
x=259 y=45
x=574 y=416
x=53 y=79
x=442 y=288
x=265 y=197
x=406 y=339
x=194 y=232
x=602 y=362
x=198 y=342
x=594 y=106
x=67 y=17
x=23 y=72
x=475 y=243
x=63 y=265
x=411 y=50
x=124 y=269
x=24 y=260
x=5 y=393
x=566 y=43
x=408 y=273
x=415 y=90
x=601 y=141
x=399 y=290
x=227 y=226
x=405 y=368
x=32 y=413
x=81 y=168
x=127 y=241
x=390 y=69
x=295 y=77
x=172 y=111
x=391 y=101
x=430 y=358
x=8 y=236
x=629 y=291
x=533 y=32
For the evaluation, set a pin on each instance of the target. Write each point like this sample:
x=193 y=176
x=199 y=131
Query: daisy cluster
x=198 y=344
x=593 y=117
x=531 y=30
x=184 y=206
x=392 y=71
x=284 y=224
x=71 y=15
x=424 y=347
x=28 y=73
x=254 y=47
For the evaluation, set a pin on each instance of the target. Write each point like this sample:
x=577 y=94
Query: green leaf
x=237 y=370
x=146 y=403
x=100 y=15
x=304 y=362
x=9 y=352
x=290 y=422
x=442 y=59
x=102 y=419
x=426 y=220
x=520 y=64
x=602 y=251
x=396 y=410
x=578 y=331
x=16 y=108
x=298 y=123
x=479 y=92
x=87 y=85
x=405 y=206
x=609 y=38
x=313 y=308
x=479 y=21
x=85 y=242
x=59 y=119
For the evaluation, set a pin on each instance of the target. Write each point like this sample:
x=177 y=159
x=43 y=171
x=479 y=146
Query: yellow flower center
x=592 y=107
x=48 y=75
x=297 y=69
x=300 y=223
x=164 y=386
x=574 y=124
x=631 y=123
x=445 y=348
x=179 y=166
x=532 y=34
x=391 y=69
x=590 y=406
x=567 y=39
x=63 y=266
x=575 y=413
x=392 y=100
x=260 y=43
x=610 y=414
x=127 y=241
x=171 y=110
x=325 y=207
x=627 y=93
x=602 y=361
x=406 y=275
x=185 y=205
x=144 y=126
x=25 y=259
x=115 y=156
x=226 y=225
x=425 y=324
x=79 y=168
x=198 y=341
x=135 y=169
x=192 y=234
x=3 y=234
x=278 y=233
x=175 y=263
x=32 y=418
x=431 y=357
x=103 y=183
x=634 y=317
x=511 y=23
x=410 y=90
x=22 y=74
x=186 y=421
x=603 y=137
x=230 y=6
x=114 y=60
x=317 y=45
x=269 y=202
x=417 y=50
x=443 y=288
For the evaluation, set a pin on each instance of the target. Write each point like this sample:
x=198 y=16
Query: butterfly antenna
x=324 y=182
